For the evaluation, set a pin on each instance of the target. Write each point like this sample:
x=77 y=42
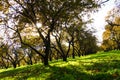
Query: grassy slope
x=100 y=66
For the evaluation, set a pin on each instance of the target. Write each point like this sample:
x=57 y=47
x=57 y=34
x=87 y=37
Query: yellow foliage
x=106 y=35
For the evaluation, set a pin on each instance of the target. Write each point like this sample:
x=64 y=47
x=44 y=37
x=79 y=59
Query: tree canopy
x=111 y=36
x=60 y=23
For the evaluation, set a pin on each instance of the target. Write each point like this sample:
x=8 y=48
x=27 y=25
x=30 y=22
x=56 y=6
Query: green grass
x=100 y=66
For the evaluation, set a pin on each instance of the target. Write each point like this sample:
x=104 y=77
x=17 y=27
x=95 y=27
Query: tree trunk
x=31 y=62
x=47 y=50
x=79 y=52
x=73 y=55
x=14 y=65
x=64 y=58
x=4 y=64
x=50 y=55
x=46 y=61
x=57 y=56
x=73 y=52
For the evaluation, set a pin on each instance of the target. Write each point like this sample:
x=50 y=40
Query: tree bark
x=14 y=64
x=64 y=58
x=46 y=61
x=47 y=49
x=73 y=52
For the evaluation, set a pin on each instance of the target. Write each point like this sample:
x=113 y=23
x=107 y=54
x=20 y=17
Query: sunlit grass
x=100 y=66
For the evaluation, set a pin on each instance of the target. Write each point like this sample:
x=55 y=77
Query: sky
x=99 y=19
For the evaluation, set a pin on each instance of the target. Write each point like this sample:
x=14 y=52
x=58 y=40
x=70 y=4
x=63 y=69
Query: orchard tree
x=111 y=36
x=62 y=39
x=86 y=42
x=48 y=13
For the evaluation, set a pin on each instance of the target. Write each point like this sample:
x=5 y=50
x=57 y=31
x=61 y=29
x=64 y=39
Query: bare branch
x=104 y=2
x=112 y=24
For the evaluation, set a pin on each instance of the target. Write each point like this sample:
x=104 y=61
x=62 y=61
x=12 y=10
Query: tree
x=111 y=36
x=47 y=12
x=86 y=42
x=62 y=39
x=11 y=55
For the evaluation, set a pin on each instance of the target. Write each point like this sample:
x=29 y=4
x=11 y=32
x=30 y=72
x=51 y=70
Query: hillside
x=100 y=66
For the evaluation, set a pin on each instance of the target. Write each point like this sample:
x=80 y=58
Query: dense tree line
x=42 y=30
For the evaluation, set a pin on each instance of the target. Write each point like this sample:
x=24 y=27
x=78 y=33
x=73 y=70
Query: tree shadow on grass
x=105 y=70
x=55 y=73
x=69 y=72
x=76 y=73
x=24 y=73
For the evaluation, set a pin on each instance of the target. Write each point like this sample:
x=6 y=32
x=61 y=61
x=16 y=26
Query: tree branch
x=104 y=2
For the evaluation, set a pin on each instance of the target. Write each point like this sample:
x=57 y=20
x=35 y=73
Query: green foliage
x=100 y=66
x=87 y=42
x=54 y=15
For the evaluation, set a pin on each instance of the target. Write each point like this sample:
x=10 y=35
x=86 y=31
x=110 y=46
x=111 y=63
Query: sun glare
x=39 y=25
